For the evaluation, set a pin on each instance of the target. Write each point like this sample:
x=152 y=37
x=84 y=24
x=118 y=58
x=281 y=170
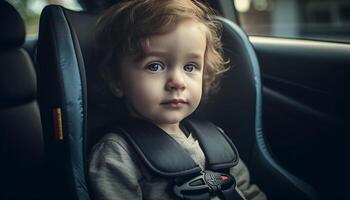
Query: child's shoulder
x=112 y=140
x=112 y=137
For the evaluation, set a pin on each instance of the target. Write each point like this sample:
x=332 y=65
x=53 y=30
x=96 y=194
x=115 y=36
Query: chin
x=171 y=120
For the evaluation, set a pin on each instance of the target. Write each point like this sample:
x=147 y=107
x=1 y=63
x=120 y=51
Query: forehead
x=187 y=35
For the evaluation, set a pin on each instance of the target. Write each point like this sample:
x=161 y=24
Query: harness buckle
x=205 y=184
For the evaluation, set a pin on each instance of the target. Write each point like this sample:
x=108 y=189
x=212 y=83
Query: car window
x=30 y=11
x=307 y=19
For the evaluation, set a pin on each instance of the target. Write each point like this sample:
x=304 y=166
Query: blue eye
x=155 y=67
x=189 y=67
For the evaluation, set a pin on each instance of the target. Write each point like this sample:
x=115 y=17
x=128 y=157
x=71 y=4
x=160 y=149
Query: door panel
x=305 y=108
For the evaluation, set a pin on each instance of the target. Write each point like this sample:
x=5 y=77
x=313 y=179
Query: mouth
x=174 y=103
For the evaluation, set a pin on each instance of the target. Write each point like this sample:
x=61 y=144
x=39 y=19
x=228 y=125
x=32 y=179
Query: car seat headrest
x=11 y=21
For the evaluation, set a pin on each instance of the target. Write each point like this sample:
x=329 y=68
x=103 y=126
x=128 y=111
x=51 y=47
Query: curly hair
x=123 y=28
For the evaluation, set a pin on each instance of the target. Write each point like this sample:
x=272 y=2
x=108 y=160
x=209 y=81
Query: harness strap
x=165 y=157
x=219 y=150
x=159 y=151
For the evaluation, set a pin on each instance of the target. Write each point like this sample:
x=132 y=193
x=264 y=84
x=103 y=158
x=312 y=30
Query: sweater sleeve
x=242 y=176
x=113 y=174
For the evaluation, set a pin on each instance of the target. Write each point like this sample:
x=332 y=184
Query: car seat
x=69 y=69
x=22 y=173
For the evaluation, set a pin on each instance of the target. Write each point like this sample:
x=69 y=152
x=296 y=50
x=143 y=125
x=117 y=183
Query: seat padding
x=22 y=171
x=17 y=77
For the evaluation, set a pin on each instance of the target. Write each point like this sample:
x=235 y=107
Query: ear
x=117 y=89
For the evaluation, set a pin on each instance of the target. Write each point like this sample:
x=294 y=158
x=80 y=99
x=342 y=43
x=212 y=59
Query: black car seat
x=22 y=173
x=69 y=70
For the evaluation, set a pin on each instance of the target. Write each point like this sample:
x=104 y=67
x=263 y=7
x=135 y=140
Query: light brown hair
x=124 y=27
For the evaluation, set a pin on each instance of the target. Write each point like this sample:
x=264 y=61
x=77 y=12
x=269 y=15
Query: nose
x=175 y=80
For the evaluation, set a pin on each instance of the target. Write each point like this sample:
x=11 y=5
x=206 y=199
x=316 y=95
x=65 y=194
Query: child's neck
x=171 y=128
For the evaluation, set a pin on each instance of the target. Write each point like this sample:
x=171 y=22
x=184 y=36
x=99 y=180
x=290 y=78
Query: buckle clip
x=206 y=183
x=213 y=180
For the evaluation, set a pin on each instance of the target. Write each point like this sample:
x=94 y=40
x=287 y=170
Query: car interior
x=21 y=140
x=283 y=103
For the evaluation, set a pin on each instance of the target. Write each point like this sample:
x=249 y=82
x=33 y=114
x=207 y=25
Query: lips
x=174 y=103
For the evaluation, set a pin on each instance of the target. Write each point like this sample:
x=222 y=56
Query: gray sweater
x=115 y=172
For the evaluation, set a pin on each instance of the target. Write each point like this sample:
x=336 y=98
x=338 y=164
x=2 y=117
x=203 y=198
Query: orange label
x=57 y=117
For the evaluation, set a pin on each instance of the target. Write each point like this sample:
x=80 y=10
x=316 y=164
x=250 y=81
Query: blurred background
x=30 y=11
x=309 y=19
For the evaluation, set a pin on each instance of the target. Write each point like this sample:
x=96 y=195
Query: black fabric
x=165 y=157
x=169 y=158
x=22 y=169
x=21 y=152
x=102 y=105
x=62 y=85
x=17 y=78
x=220 y=152
x=158 y=150
x=12 y=28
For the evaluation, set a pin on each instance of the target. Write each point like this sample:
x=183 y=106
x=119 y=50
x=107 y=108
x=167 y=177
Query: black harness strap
x=220 y=152
x=164 y=156
x=157 y=149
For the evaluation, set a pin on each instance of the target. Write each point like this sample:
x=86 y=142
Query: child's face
x=166 y=85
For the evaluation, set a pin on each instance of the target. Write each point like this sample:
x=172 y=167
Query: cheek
x=198 y=94
x=197 y=88
x=143 y=91
x=138 y=98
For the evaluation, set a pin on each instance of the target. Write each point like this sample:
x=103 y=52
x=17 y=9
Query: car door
x=303 y=48
x=305 y=106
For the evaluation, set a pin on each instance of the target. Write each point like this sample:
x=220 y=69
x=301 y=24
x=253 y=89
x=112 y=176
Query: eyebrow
x=164 y=53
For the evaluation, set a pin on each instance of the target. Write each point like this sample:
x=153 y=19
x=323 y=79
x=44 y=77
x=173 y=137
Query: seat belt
x=166 y=158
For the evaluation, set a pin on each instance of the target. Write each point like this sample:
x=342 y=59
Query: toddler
x=160 y=57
